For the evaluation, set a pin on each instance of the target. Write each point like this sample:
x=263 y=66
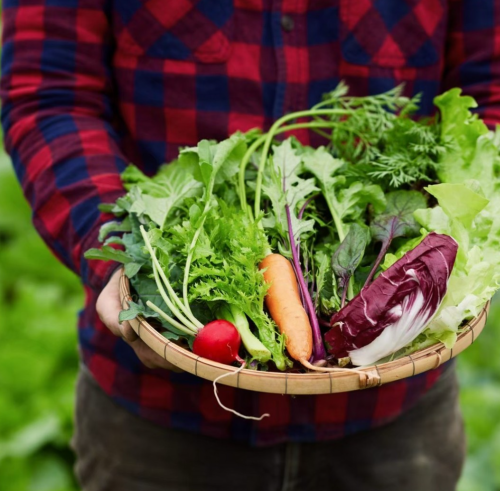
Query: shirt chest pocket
x=190 y=30
x=393 y=33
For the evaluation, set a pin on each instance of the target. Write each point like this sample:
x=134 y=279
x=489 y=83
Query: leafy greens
x=344 y=214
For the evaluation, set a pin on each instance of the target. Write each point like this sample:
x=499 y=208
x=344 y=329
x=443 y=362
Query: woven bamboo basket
x=303 y=383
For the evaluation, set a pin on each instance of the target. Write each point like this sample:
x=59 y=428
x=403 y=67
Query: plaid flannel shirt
x=89 y=85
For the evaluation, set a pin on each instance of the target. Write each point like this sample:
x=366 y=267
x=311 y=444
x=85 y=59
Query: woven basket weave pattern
x=307 y=383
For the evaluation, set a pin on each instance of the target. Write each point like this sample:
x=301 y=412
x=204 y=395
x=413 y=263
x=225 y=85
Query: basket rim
x=438 y=351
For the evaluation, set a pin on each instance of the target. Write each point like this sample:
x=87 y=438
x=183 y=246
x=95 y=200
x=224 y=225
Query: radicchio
x=396 y=307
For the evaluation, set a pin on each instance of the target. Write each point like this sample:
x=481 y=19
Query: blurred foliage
x=39 y=300
x=479 y=369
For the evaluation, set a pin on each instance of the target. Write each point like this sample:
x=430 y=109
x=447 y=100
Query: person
x=90 y=85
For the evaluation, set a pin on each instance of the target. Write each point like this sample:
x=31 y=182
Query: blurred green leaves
x=479 y=369
x=39 y=300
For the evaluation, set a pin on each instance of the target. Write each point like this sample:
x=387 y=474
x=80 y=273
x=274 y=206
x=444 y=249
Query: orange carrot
x=285 y=306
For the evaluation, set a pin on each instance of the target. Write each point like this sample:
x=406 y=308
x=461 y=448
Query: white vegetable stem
x=169 y=302
x=169 y=319
x=189 y=259
x=194 y=324
x=206 y=209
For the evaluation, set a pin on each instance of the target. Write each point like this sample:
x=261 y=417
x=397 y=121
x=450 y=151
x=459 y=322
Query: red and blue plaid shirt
x=89 y=85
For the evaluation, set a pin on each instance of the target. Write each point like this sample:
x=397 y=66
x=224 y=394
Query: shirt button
x=287 y=23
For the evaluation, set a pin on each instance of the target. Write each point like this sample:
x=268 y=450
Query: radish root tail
x=255 y=418
x=366 y=379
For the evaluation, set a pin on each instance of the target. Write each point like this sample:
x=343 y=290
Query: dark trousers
x=423 y=450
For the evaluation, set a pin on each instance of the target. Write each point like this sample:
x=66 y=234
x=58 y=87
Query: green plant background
x=39 y=301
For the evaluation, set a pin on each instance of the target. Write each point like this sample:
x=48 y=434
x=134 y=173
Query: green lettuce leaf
x=476 y=273
x=471 y=151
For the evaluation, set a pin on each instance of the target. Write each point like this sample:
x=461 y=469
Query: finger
x=127 y=332
x=150 y=358
x=108 y=304
x=109 y=308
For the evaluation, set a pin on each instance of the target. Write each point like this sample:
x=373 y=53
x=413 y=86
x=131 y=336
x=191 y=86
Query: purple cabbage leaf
x=395 y=308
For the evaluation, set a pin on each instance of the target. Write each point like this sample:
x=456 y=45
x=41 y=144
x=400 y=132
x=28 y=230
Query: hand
x=109 y=307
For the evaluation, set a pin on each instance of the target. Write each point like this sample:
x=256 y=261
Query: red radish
x=219 y=341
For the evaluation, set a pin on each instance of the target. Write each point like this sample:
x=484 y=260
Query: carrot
x=285 y=306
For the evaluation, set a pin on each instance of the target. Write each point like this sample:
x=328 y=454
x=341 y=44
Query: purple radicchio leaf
x=396 y=221
x=396 y=307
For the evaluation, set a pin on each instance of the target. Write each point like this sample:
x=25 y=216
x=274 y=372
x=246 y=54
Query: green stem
x=192 y=246
x=169 y=319
x=314 y=125
x=322 y=133
x=188 y=262
x=341 y=233
x=158 y=272
x=328 y=102
x=251 y=342
x=336 y=219
x=243 y=165
x=189 y=325
x=269 y=138
x=310 y=125
x=350 y=288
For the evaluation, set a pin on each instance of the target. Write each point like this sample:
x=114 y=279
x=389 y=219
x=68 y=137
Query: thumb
x=109 y=307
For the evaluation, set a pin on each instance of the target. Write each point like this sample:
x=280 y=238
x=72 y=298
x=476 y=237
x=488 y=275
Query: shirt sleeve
x=57 y=116
x=472 y=59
